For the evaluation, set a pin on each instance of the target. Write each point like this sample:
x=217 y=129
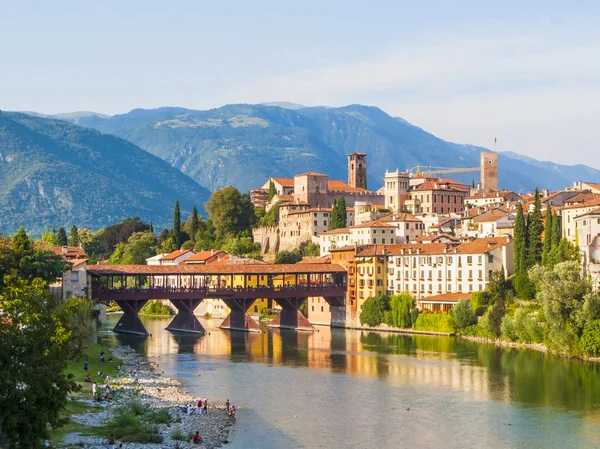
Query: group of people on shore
x=202 y=407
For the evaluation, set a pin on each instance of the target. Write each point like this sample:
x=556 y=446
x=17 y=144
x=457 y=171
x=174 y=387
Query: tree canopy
x=230 y=212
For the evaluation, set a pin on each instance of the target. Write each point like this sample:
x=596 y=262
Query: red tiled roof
x=438 y=186
x=476 y=246
x=213 y=268
x=336 y=231
x=341 y=186
x=446 y=297
x=313 y=209
x=202 y=256
x=373 y=224
x=175 y=254
x=403 y=216
x=284 y=182
x=69 y=252
x=240 y=261
x=311 y=260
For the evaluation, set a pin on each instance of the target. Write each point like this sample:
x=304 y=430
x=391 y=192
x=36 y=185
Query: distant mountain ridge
x=243 y=145
x=53 y=173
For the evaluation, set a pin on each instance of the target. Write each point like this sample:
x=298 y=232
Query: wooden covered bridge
x=238 y=286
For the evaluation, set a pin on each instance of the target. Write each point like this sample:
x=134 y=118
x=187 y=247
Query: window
x=469 y=259
x=379 y=283
x=449 y=274
x=313 y=309
x=479 y=259
x=378 y=270
x=490 y=258
x=470 y=274
x=370 y=282
x=383 y=241
x=75 y=276
x=480 y=274
x=315 y=222
x=321 y=308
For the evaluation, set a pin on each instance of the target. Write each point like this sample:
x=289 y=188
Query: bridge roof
x=131 y=270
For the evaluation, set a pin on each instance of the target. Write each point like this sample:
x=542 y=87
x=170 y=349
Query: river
x=349 y=388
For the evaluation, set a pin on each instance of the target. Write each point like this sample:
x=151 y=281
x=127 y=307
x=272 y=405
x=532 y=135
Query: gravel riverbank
x=155 y=391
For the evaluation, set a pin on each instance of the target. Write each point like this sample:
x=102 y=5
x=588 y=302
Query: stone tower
x=395 y=187
x=311 y=188
x=489 y=171
x=357 y=170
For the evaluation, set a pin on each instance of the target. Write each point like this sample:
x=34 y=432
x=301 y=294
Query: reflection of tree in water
x=526 y=376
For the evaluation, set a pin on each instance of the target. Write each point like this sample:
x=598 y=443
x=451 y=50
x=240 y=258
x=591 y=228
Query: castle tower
x=357 y=170
x=489 y=171
x=311 y=188
x=395 y=188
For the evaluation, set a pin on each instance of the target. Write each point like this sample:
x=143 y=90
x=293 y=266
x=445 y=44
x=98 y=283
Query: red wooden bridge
x=238 y=286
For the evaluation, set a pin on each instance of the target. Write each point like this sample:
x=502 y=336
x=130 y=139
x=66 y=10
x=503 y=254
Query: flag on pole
x=495 y=140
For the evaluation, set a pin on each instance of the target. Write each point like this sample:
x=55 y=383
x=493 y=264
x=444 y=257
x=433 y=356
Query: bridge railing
x=213 y=289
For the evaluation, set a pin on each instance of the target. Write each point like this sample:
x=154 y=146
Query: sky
x=525 y=72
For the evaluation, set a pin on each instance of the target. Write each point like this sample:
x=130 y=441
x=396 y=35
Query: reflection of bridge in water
x=186 y=286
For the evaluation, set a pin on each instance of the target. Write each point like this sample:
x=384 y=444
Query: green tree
x=50 y=237
x=463 y=314
x=309 y=249
x=555 y=231
x=565 y=251
x=562 y=291
x=288 y=257
x=119 y=233
x=34 y=348
x=73 y=237
x=497 y=286
x=400 y=310
x=76 y=313
x=272 y=191
x=21 y=243
x=240 y=246
x=590 y=339
x=61 y=237
x=139 y=247
x=374 y=310
x=520 y=241
x=191 y=226
x=270 y=218
x=338 y=214
x=547 y=246
x=177 y=234
x=535 y=228
x=90 y=242
x=230 y=212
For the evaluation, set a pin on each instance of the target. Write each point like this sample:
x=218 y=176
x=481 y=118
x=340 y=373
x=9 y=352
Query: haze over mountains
x=243 y=145
x=53 y=173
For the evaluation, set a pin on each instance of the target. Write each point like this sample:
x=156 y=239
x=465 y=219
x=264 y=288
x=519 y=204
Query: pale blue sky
x=527 y=72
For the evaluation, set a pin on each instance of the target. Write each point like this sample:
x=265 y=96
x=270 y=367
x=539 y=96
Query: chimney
x=65 y=250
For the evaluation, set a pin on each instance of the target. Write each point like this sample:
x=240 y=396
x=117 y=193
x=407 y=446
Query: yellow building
x=371 y=273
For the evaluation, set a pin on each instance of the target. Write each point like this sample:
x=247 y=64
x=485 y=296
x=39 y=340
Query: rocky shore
x=155 y=391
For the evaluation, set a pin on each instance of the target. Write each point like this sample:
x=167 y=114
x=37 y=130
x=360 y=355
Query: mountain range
x=243 y=145
x=53 y=173
x=91 y=169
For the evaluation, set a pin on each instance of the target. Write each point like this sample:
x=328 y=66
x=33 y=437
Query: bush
x=479 y=302
x=508 y=329
x=161 y=416
x=524 y=288
x=177 y=434
x=527 y=328
x=155 y=307
x=374 y=309
x=590 y=339
x=129 y=426
x=434 y=322
x=463 y=314
x=400 y=311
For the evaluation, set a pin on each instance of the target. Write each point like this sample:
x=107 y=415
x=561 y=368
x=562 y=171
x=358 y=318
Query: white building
x=588 y=232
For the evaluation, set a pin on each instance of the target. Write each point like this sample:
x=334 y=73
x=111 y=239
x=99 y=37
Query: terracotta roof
x=336 y=231
x=591 y=212
x=69 y=252
x=403 y=216
x=284 y=197
x=439 y=186
x=311 y=173
x=311 y=260
x=446 y=297
x=177 y=253
x=434 y=238
x=373 y=224
x=343 y=248
x=284 y=182
x=476 y=246
x=593 y=185
x=488 y=218
x=202 y=256
x=76 y=262
x=498 y=195
x=341 y=186
x=588 y=203
x=490 y=215
x=481 y=245
x=239 y=261
x=213 y=268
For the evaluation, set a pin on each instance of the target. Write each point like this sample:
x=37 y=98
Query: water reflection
x=485 y=372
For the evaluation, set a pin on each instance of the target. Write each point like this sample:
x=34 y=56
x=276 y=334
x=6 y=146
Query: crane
x=416 y=171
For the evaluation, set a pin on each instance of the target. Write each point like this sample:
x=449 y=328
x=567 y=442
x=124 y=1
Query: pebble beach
x=156 y=392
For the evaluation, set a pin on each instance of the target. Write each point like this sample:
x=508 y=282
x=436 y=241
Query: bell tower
x=357 y=170
x=489 y=171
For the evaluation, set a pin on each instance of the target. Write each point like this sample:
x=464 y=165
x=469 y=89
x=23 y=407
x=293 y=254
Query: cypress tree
x=334 y=219
x=535 y=228
x=547 y=247
x=341 y=205
x=151 y=227
x=61 y=236
x=194 y=224
x=555 y=231
x=74 y=236
x=520 y=242
x=21 y=243
x=176 y=230
x=272 y=191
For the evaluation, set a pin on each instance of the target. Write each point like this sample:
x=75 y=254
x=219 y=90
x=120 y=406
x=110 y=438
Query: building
x=432 y=197
x=487 y=198
x=489 y=171
x=357 y=170
x=395 y=190
x=74 y=281
x=587 y=227
x=173 y=258
x=374 y=232
x=573 y=208
x=207 y=257
x=335 y=238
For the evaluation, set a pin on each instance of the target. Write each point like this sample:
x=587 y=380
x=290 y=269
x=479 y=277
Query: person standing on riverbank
x=227 y=406
x=94 y=390
x=111 y=441
x=205 y=405
x=102 y=357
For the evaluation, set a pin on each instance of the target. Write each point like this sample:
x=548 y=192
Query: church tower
x=357 y=170
x=489 y=171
